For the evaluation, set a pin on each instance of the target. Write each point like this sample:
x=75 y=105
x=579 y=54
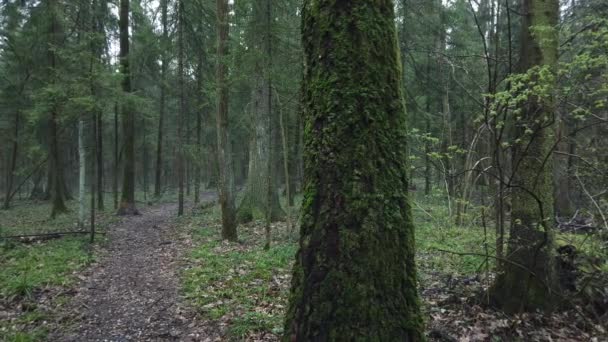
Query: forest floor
x=156 y=277
x=132 y=293
x=244 y=289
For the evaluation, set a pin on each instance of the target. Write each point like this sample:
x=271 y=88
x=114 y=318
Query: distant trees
x=262 y=171
x=354 y=276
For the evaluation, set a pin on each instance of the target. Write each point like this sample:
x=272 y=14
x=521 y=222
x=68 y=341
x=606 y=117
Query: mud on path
x=132 y=292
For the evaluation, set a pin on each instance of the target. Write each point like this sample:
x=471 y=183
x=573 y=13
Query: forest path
x=132 y=292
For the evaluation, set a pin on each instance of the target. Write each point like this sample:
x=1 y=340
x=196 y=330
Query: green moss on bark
x=355 y=276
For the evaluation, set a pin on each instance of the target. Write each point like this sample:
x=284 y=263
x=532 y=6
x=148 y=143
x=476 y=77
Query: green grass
x=29 y=267
x=27 y=217
x=241 y=283
x=246 y=287
x=26 y=268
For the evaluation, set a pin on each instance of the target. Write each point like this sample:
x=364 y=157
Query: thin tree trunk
x=145 y=157
x=161 y=114
x=13 y=163
x=99 y=163
x=288 y=190
x=116 y=167
x=82 y=173
x=199 y=127
x=94 y=169
x=182 y=108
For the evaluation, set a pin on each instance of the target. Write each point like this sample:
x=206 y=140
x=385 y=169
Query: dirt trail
x=132 y=293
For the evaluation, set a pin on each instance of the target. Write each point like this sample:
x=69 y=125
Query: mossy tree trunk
x=355 y=275
x=226 y=184
x=529 y=273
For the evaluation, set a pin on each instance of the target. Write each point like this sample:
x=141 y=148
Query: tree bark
x=355 y=274
x=81 y=173
x=99 y=156
x=116 y=168
x=10 y=176
x=226 y=185
x=127 y=201
x=255 y=199
x=57 y=188
x=202 y=105
x=161 y=114
x=182 y=108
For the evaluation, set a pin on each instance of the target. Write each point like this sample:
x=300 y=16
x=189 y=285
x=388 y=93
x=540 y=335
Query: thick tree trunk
x=261 y=193
x=255 y=199
x=355 y=274
x=127 y=201
x=226 y=185
x=528 y=278
x=57 y=188
x=57 y=182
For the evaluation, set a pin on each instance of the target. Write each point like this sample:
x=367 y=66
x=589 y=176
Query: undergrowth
x=245 y=287
x=30 y=268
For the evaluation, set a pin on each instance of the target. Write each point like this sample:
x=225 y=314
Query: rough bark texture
x=127 y=201
x=355 y=276
x=528 y=276
x=224 y=149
